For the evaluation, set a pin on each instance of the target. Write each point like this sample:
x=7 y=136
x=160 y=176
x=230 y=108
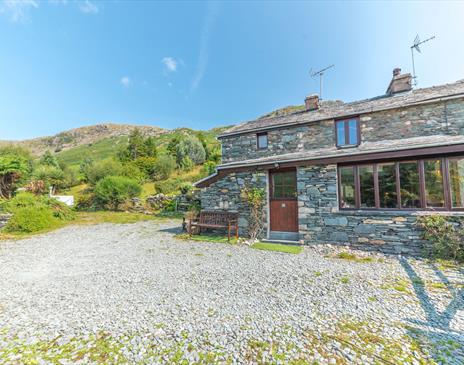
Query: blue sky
x=64 y=64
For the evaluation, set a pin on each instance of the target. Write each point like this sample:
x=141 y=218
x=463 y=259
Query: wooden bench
x=215 y=220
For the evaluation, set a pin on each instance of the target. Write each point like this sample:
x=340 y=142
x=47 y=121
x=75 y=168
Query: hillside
x=109 y=146
x=83 y=136
x=104 y=140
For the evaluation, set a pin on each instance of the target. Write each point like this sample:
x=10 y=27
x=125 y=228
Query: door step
x=284 y=236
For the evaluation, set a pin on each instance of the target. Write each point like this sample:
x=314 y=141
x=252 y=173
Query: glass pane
x=387 y=185
x=288 y=191
x=434 y=184
x=347 y=188
x=262 y=140
x=366 y=180
x=284 y=185
x=353 y=131
x=409 y=184
x=456 y=168
x=289 y=179
x=277 y=191
x=341 y=133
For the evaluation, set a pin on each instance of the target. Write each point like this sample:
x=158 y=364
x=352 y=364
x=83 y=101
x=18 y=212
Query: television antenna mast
x=415 y=46
x=320 y=73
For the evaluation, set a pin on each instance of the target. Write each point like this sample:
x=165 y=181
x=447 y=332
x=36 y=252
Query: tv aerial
x=415 y=46
x=320 y=73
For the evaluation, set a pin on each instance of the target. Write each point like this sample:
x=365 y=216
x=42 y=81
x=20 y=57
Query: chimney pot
x=312 y=102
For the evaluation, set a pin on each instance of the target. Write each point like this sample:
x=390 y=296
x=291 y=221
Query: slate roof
x=363 y=149
x=338 y=109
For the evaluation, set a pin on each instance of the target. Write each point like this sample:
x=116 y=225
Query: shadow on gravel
x=444 y=344
x=172 y=230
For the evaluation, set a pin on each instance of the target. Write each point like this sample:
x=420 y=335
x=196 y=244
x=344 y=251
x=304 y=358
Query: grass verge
x=277 y=247
x=91 y=218
x=206 y=238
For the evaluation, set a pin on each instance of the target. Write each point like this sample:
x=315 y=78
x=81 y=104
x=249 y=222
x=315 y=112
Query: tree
x=113 y=191
x=48 y=159
x=138 y=147
x=12 y=168
x=15 y=165
x=149 y=147
x=163 y=168
x=52 y=176
x=192 y=148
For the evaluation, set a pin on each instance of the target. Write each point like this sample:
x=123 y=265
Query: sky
x=65 y=64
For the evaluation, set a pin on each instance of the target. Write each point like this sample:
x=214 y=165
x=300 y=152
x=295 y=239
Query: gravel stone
x=149 y=290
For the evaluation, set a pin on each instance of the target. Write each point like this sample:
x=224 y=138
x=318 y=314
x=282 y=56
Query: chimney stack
x=312 y=102
x=400 y=82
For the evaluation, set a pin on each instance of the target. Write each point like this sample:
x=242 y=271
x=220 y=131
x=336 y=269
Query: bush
x=163 y=168
x=51 y=176
x=446 y=235
x=31 y=219
x=113 y=191
x=209 y=168
x=98 y=170
x=86 y=202
x=29 y=201
x=190 y=147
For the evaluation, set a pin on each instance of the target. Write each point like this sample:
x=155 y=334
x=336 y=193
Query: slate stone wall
x=442 y=118
x=320 y=220
x=225 y=195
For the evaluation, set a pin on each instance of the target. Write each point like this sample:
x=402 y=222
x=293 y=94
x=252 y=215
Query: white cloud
x=126 y=81
x=88 y=7
x=170 y=63
x=17 y=10
x=203 y=55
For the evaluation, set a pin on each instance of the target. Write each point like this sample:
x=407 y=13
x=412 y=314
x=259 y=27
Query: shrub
x=446 y=235
x=85 y=201
x=192 y=148
x=186 y=164
x=163 y=168
x=50 y=175
x=113 y=191
x=209 y=168
x=98 y=170
x=29 y=201
x=31 y=219
x=254 y=197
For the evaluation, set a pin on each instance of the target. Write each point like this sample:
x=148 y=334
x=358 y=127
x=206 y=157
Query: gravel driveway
x=134 y=293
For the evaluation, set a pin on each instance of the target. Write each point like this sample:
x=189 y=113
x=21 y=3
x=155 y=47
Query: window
x=388 y=197
x=433 y=176
x=347 y=132
x=347 y=187
x=261 y=140
x=409 y=185
x=456 y=171
x=284 y=185
x=436 y=183
x=366 y=186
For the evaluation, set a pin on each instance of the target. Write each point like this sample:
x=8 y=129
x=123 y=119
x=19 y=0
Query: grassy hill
x=87 y=135
x=110 y=146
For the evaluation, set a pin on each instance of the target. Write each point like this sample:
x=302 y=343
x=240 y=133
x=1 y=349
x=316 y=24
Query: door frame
x=270 y=189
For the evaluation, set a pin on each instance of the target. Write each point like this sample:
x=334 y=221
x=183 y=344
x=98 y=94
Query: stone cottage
x=355 y=173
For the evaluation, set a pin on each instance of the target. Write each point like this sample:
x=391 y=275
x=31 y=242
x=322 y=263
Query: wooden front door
x=283 y=201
